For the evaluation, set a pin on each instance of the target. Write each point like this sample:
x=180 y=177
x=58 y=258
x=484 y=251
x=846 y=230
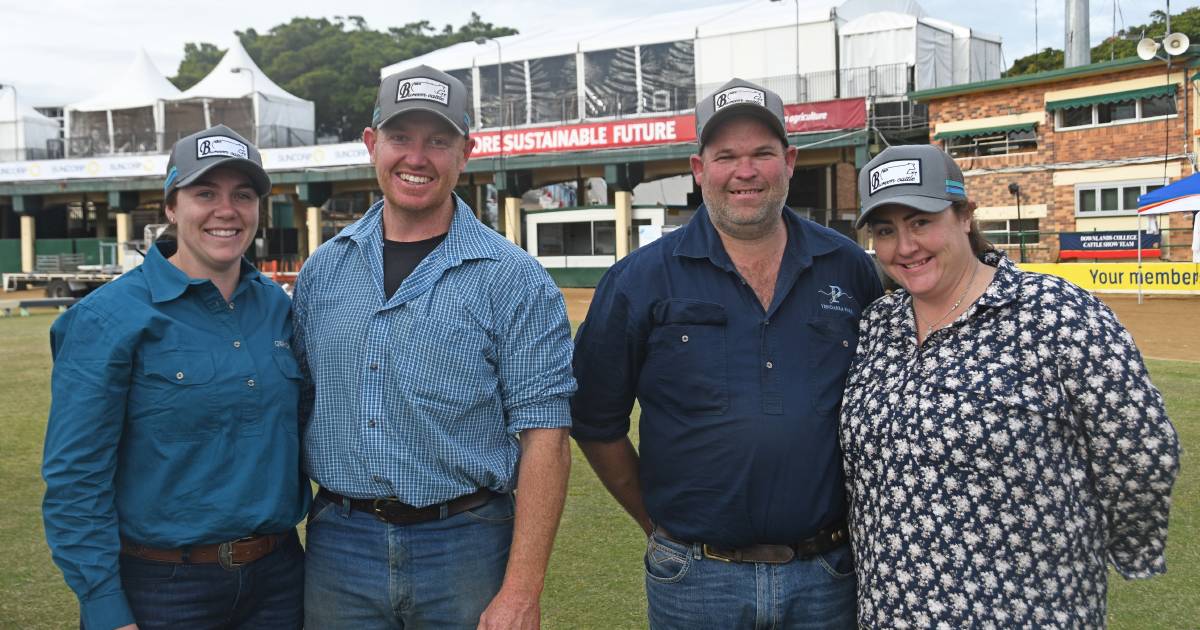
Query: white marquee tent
x=125 y=118
x=238 y=94
x=24 y=133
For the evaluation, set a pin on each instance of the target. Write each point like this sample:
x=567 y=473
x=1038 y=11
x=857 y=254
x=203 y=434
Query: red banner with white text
x=636 y=132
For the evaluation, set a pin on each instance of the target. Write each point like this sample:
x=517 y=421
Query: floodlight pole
x=1015 y=189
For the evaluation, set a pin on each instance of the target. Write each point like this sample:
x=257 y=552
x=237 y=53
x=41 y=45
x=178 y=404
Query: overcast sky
x=61 y=51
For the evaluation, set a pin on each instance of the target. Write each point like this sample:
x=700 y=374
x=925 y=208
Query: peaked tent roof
x=222 y=82
x=1181 y=196
x=140 y=86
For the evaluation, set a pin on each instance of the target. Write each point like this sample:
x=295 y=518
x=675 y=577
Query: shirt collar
x=1004 y=286
x=700 y=240
x=167 y=282
x=468 y=239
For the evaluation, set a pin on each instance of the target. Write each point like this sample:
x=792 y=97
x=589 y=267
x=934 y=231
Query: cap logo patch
x=224 y=146
x=895 y=173
x=424 y=89
x=736 y=95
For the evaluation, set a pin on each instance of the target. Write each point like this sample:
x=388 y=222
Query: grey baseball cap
x=201 y=152
x=423 y=89
x=920 y=176
x=739 y=97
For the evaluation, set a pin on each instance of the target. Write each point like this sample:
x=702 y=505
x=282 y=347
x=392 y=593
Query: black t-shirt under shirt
x=399 y=260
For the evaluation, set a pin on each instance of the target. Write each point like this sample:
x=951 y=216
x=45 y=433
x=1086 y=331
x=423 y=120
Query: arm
x=541 y=491
x=89 y=386
x=1133 y=450
x=299 y=347
x=616 y=464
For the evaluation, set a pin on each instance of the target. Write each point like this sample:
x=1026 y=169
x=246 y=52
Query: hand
x=132 y=626
x=510 y=611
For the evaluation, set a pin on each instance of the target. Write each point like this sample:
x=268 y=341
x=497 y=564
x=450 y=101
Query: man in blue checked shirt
x=437 y=356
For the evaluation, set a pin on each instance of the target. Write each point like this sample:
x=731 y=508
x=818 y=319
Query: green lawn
x=595 y=576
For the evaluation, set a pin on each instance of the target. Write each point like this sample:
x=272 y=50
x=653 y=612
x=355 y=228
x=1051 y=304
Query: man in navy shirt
x=734 y=333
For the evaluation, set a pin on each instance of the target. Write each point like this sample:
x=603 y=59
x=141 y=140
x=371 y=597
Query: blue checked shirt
x=421 y=396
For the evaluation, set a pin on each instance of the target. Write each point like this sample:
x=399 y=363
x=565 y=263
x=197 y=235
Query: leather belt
x=230 y=555
x=397 y=513
x=824 y=540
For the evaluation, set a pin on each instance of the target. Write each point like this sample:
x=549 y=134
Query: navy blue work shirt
x=739 y=404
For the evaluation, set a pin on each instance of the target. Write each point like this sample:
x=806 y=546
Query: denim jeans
x=364 y=573
x=686 y=590
x=267 y=593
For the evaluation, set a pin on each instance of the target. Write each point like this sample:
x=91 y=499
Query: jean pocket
x=499 y=511
x=142 y=570
x=665 y=564
x=319 y=510
x=838 y=563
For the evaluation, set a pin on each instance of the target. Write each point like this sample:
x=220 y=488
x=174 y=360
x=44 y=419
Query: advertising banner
x=1107 y=245
x=1155 y=277
x=848 y=113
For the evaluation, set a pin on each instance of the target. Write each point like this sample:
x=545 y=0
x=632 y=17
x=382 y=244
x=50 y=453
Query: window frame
x=1138 y=118
x=1146 y=186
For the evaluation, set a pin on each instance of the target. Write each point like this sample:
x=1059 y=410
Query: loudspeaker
x=1176 y=43
x=1146 y=48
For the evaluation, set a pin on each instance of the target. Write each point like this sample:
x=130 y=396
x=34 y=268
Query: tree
x=335 y=62
x=1123 y=45
x=198 y=61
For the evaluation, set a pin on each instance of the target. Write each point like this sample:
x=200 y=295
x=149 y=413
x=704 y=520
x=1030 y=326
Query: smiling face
x=418 y=158
x=926 y=253
x=216 y=217
x=743 y=172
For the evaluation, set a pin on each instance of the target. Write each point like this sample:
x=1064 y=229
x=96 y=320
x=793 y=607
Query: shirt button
x=237 y=344
x=179 y=376
x=684 y=339
x=374 y=366
x=250 y=383
x=376 y=478
x=770 y=365
x=231 y=306
x=845 y=343
x=371 y=423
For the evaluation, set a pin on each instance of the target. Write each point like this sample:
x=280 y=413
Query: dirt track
x=1163 y=327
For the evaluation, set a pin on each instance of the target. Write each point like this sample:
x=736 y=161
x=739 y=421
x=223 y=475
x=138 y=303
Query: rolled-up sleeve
x=609 y=350
x=1132 y=447
x=534 y=360
x=89 y=385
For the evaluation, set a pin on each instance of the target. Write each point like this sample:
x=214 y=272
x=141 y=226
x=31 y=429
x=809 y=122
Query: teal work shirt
x=173 y=422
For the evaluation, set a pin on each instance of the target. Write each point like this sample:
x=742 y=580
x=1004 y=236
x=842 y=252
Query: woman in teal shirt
x=173 y=484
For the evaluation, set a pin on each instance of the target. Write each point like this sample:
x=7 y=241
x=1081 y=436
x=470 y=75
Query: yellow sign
x=1152 y=277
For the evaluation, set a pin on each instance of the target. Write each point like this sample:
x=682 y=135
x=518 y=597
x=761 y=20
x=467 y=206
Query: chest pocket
x=686 y=356
x=448 y=367
x=172 y=400
x=831 y=346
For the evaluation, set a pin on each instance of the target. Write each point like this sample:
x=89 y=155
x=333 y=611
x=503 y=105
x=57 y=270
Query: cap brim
x=258 y=176
x=417 y=108
x=932 y=205
x=742 y=109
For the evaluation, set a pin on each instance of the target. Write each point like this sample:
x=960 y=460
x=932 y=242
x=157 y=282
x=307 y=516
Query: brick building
x=1081 y=143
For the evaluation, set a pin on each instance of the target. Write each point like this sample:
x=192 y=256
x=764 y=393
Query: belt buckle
x=377 y=508
x=709 y=553
x=225 y=554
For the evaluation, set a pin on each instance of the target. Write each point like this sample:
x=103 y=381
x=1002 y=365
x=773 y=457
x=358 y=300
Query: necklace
x=961 y=296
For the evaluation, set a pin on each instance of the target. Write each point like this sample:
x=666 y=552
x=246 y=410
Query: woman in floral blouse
x=1002 y=438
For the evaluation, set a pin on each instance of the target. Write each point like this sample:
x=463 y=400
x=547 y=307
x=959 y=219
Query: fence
x=1038 y=246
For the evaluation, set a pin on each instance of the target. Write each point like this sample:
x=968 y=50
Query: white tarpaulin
x=124 y=118
x=238 y=94
x=24 y=133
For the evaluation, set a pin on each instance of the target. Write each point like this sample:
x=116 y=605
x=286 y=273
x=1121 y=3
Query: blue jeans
x=363 y=573
x=686 y=590
x=267 y=593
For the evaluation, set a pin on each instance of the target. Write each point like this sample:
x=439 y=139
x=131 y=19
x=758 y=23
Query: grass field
x=595 y=578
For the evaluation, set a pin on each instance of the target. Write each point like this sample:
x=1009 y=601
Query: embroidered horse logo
x=834 y=293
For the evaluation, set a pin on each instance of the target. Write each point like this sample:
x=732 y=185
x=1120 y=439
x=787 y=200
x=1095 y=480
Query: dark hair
x=979 y=243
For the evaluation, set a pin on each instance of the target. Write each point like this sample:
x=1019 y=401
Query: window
x=1009 y=232
x=1116 y=112
x=1001 y=143
x=1111 y=198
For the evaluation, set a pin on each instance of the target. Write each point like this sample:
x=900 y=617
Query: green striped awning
x=1112 y=97
x=984 y=131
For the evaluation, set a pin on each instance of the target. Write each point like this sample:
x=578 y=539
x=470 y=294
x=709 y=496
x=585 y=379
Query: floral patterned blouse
x=993 y=470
